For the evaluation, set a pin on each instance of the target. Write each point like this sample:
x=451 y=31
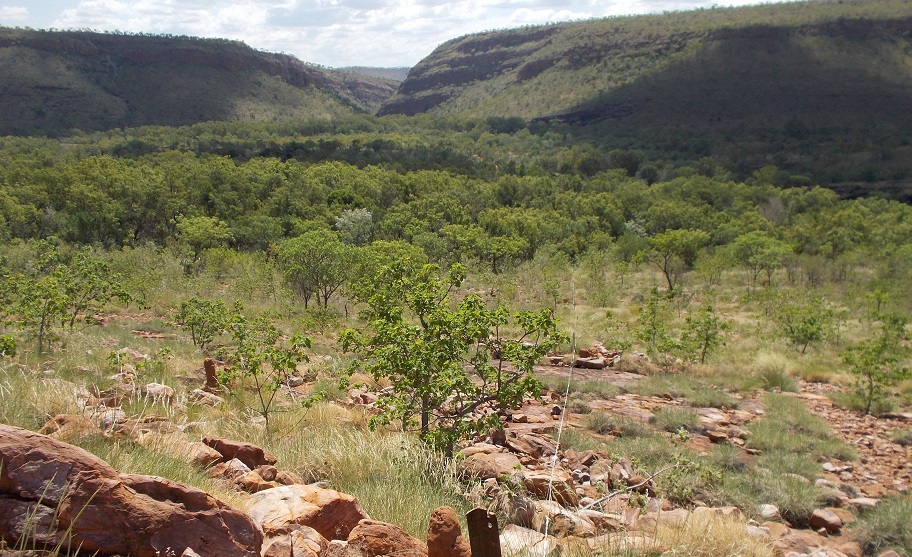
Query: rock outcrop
x=281 y=510
x=54 y=493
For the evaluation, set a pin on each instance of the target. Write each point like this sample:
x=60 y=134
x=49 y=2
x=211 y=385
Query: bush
x=206 y=319
x=7 y=345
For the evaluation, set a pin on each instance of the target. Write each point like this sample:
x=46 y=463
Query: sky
x=332 y=33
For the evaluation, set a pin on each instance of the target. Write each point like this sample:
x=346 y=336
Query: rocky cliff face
x=55 y=81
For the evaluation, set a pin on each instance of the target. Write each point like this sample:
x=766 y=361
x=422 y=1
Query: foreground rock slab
x=77 y=499
x=281 y=510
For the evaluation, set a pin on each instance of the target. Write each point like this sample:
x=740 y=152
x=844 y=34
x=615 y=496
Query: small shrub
x=7 y=345
x=728 y=457
x=205 y=319
x=875 y=362
x=886 y=526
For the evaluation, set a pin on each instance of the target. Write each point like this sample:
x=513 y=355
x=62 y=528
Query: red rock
x=66 y=427
x=823 y=518
x=212 y=383
x=281 y=510
x=288 y=478
x=562 y=491
x=844 y=514
x=485 y=466
x=203 y=456
x=531 y=444
x=591 y=363
x=205 y=398
x=444 y=537
x=248 y=453
x=577 y=461
x=300 y=542
x=252 y=482
x=372 y=538
x=91 y=506
x=717 y=436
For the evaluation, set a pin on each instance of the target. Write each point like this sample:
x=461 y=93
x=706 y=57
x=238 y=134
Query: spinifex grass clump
x=886 y=526
x=788 y=425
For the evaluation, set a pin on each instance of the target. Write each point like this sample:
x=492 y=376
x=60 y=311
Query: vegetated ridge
x=817 y=58
x=396 y=74
x=52 y=82
x=820 y=89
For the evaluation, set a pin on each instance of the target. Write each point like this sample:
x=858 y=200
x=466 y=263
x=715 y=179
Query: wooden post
x=484 y=535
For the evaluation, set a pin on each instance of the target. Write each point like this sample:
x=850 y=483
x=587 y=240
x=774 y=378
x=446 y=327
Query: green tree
x=40 y=307
x=260 y=357
x=759 y=252
x=450 y=364
x=675 y=251
x=206 y=319
x=316 y=264
x=804 y=319
x=202 y=233
x=90 y=285
x=703 y=333
x=650 y=326
x=875 y=362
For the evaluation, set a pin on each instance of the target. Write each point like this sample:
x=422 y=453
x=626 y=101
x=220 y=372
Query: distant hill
x=53 y=82
x=820 y=89
x=397 y=74
x=704 y=66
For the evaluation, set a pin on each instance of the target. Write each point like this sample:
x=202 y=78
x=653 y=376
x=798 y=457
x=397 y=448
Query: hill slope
x=821 y=90
x=51 y=82
x=699 y=66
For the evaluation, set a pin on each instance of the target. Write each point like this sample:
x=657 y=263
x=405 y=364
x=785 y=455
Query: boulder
x=561 y=486
x=231 y=470
x=157 y=392
x=485 y=466
x=252 y=482
x=67 y=427
x=444 y=537
x=552 y=519
x=531 y=444
x=201 y=397
x=824 y=518
x=591 y=363
x=372 y=538
x=203 y=456
x=78 y=499
x=248 y=453
x=516 y=540
x=301 y=542
x=281 y=510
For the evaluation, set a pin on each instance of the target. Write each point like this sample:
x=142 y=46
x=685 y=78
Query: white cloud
x=13 y=14
x=339 y=32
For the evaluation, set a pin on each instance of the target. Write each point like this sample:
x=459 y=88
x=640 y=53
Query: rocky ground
x=563 y=502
